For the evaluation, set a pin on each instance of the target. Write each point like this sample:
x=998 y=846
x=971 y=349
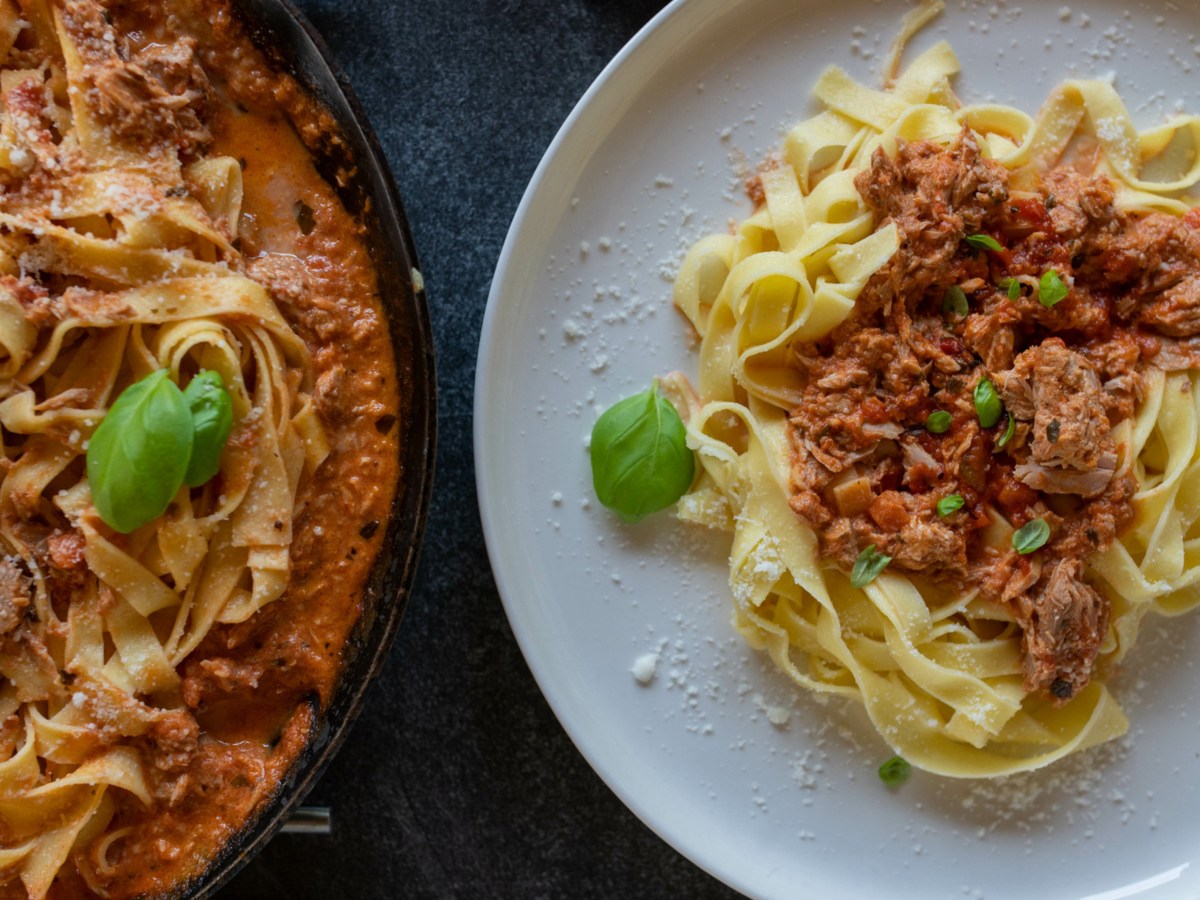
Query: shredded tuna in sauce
x=868 y=469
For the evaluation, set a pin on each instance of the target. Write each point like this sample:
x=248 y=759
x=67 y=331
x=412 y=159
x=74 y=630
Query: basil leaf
x=1013 y=287
x=212 y=420
x=640 y=459
x=895 y=771
x=138 y=455
x=955 y=302
x=1031 y=536
x=868 y=566
x=938 y=422
x=1009 y=429
x=1051 y=289
x=983 y=242
x=949 y=504
x=987 y=403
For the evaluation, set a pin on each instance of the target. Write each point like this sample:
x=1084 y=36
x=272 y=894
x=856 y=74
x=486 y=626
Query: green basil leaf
x=1031 y=536
x=895 y=771
x=938 y=422
x=212 y=420
x=1051 y=289
x=137 y=457
x=1013 y=287
x=955 y=301
x=868 y=566
x=1009 y=429
x=949 y=504
x=983 y=242
x=987 y=403
x=640 y=459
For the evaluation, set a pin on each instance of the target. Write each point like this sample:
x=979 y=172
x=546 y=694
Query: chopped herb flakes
x=868 y=566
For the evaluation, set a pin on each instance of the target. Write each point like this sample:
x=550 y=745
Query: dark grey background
x=457 y=781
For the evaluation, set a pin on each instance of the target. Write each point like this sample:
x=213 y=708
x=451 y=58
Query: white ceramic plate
x=580 y=316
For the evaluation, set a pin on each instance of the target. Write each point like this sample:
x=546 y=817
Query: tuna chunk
x=1153 y=254
x=935 y=197
x=993 y=336
x=1057 y=390
x=1064 y=623
x=926 y=544
x=1153 y=262
x=152 y=93
x=1176 y=311
x=828 y=424
x=1080 y=207
x=960 y=184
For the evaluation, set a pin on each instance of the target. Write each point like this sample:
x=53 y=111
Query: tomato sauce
x=257 y=688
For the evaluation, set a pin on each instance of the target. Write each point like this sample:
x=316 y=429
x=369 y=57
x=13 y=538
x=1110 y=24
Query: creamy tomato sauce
x=256 y=688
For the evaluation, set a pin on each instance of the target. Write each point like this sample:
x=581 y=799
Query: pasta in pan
x=125 y=252
x=991 y=657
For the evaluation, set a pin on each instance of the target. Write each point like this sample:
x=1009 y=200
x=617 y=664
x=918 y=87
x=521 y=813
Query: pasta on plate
x=905 y=249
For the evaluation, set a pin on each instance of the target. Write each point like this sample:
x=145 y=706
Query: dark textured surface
x=457 y=781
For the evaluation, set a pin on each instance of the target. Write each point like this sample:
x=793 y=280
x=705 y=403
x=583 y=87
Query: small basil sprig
x=1012 y=287
x=640 y=459
x=212 y=420
x=949 y=504
x=1051 y=289
x=983 y=242
x=154 y=439
x=939 y=422
x=137 y=457
x=955 y=301
x=1031 y=536
x=987 y=403
x=868 y=566
x=895 y=771
x=1009 y=430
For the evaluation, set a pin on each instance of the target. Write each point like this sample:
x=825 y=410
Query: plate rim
x=490 y=518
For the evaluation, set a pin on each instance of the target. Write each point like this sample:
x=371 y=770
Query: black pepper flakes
x=1061 y=689
x=1052 y=431
x=384 y=423
x=368 y=530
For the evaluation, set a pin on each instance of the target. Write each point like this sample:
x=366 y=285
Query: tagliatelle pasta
x=943 y=671
x=170 y=301
x=140 y=679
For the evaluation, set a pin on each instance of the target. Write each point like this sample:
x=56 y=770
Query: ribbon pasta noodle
x=120 y=255
x=938 y=667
